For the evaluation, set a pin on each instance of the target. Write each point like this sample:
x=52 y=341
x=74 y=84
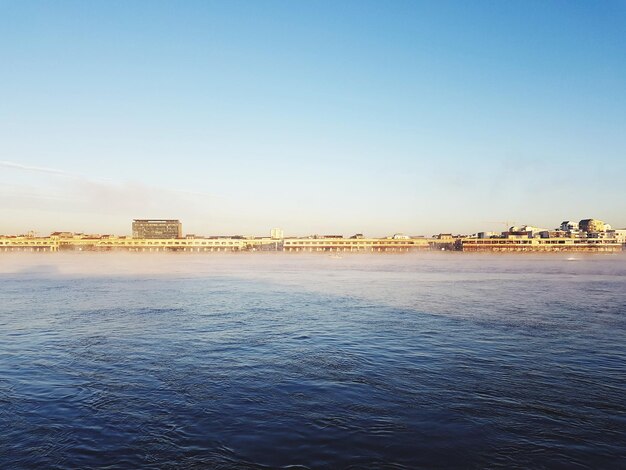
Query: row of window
x=30 y=243
x=353 y=243
x=181 y=244
x=538 y=242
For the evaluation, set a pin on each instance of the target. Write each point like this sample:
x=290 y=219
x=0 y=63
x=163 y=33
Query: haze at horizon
x=344 y=117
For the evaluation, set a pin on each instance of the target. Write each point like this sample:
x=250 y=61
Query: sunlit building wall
x=157 y=228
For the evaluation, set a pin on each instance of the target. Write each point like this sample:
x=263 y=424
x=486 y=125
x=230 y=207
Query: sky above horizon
x=316 y=117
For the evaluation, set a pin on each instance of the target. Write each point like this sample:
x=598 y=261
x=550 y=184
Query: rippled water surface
x=249 y=361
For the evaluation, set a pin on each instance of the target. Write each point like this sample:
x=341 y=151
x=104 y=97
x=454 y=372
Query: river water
x=439 y=360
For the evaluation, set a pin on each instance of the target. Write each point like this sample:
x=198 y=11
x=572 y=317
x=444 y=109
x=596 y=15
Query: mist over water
x=276 y=360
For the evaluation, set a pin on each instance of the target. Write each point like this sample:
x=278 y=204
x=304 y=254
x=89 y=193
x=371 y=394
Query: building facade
x=591 y=225
x=521 y=244
x=363 y=245
x=569 y=226
x=157 y=228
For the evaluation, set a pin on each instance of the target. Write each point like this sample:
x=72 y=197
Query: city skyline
x=238 y=116
x=171 y=226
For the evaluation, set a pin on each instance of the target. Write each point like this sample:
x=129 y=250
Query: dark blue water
x=246 y=361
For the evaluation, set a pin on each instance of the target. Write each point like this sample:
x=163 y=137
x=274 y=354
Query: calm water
x=266 y=361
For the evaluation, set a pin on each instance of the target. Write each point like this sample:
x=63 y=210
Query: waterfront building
x=527 y=229
x=363 y=245
x=64 y=234
x=553 y=234
x=487 y=234
x=569 y=226
x=619 y=235
x=157 y=228
x=520 y=244
x=165 y=235
x=591 y=225
x=28 y=244
x=609 y=242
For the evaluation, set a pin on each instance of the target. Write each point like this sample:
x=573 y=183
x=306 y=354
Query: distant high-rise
x=157 y=228
x=276 y=234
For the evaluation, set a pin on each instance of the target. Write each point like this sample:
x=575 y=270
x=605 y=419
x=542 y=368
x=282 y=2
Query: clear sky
x=317 y=117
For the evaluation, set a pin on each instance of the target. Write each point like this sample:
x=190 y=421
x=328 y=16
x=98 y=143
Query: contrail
x=19 y=166
x=86 y=180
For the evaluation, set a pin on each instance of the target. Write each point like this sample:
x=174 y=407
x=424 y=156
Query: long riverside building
x=302 y=245
x=355 y=244
x=53 y=244
x=541 y=245
x=34 y=244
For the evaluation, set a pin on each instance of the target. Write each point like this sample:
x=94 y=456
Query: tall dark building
x=157 y=228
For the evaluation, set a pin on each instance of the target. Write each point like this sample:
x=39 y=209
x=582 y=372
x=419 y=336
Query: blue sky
x=373 y=117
